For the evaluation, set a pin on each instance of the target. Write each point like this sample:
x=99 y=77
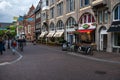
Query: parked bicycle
x=88 y=50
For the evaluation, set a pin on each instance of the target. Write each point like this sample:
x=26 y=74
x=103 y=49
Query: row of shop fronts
x=96 y=24
x=74 y=33
x=87 y=33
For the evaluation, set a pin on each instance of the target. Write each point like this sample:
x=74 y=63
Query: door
x=103 y=39
x=70 y=38
x=103 y=42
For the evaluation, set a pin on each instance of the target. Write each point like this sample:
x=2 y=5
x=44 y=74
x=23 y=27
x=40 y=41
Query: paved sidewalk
x=97 y=54
x=104 y=55
x=7 y=56
x=107 y=55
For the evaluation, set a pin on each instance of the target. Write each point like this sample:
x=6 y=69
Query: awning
x=115 y=27
x=50 y=34
x=86 y=30
x=42 y=34
x=58 y=34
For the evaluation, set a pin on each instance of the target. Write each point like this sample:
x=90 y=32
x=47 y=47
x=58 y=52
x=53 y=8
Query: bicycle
x=85 y=50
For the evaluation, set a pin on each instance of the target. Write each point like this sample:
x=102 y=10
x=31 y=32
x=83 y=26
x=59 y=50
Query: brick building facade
x=30 y=24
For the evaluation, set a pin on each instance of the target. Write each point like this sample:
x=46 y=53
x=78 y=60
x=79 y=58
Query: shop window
x=117 y=39
x=87 y=37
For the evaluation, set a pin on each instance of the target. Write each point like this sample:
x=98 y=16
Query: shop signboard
x=87 y=26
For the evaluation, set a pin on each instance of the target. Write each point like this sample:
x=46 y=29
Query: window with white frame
x=100 y=16
x=81 y=3
x=44 y=3
x=116 y=13
x=60 y=25
x=44 y=28
x=52 y=12
x=105 y=16
x=60 y=9
x=87 y=18
x=29 y=28
x=70 y=22
x=52 y=27
x=44 y=16
x=25 y=30
x=70 y=5
x=51 y=2
x=37 y=15
x=84 y=3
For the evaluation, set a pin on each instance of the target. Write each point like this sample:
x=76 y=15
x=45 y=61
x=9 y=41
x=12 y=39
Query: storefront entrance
x=103 y=42
x=103 y=39
x=71 y=38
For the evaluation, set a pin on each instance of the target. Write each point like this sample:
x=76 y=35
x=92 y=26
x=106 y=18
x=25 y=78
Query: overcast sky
x=11 y=8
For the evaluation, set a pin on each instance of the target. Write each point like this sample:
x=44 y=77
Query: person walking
x=13 y=45
x=20 y=44
x=1 y=46
x=8 y=43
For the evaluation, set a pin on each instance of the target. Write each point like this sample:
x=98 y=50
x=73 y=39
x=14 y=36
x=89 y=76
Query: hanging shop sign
x=87 y=26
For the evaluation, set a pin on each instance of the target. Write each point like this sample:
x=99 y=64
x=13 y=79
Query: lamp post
x=76 y=28
x=8 y=37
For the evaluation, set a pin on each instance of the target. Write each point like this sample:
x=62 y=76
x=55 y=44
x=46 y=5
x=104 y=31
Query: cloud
x=4 y=5
x=11 y=8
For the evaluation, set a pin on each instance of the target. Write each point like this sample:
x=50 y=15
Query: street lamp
x=8 y=34
x=76 y=28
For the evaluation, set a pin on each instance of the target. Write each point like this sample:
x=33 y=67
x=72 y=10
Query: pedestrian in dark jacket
x=1 y=46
